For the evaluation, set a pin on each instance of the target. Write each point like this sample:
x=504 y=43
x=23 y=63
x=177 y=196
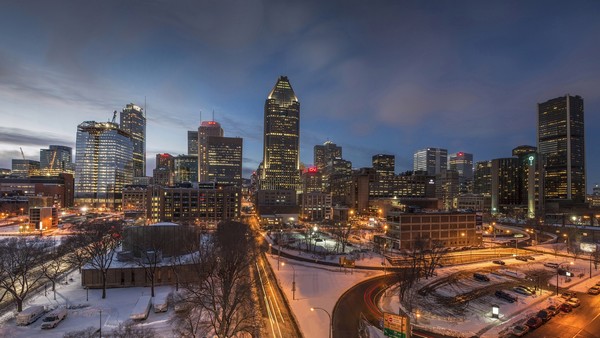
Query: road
x=361 y=302
x=583 y=322
x=277 y=316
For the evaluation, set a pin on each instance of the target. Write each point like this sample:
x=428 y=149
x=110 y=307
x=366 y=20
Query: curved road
x=362 y=299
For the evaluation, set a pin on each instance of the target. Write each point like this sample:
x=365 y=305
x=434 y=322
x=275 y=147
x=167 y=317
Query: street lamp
x=293 y=282
x=567 y=273
x=495 y=311
x=328 y=315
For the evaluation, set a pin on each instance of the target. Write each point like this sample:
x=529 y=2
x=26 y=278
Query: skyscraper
x=192 y=138
x=206 y=130
x=462 y=163
x=431 y=160
x=325 y=153
x=224 y=158
x=280 y=168
x=560 y=139
x=133 y=122
x=104 y=163
x=56 y=160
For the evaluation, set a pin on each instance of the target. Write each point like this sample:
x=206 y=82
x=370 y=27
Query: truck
x=141 y=308
x=53 y=318
x=30 y=315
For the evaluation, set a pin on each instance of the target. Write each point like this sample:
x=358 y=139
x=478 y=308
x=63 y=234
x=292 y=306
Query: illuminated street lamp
x=293 y=281
x=328 y=315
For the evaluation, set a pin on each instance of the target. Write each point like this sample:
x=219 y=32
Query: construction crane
x=52 y=162
x=22 y=154
x=114 y=116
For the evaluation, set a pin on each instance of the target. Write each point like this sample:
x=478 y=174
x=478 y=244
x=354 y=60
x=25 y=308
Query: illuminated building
x=482 y=178
x=384 y=166
x=462 y=163
x=164 y=174
x=25 y=168
x=56 y=160
x=315 y=206
x=185 y=169
x=59 y=188
x=280 y=168
x=133 y=122
x=192 y=139
x=531 y=183
x=325 y=153
x=505 y=184
x=312 y=180
x=432 y=160
x=104 y=163
x=219 y=157
x=560 y=139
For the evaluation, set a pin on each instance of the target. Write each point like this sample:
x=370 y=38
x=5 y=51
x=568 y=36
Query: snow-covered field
x=116 y=309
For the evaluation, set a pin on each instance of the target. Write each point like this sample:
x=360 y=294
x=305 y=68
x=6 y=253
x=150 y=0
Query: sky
x=375 y=77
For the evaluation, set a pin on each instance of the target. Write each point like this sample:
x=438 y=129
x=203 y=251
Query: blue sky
x=374 y=77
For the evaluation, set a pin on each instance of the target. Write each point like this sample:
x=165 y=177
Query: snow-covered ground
x=116 y=309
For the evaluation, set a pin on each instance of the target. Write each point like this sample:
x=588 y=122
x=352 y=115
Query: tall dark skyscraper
x=432 y=160
x=206 y=130
x=219 y=157
x=280 y=168
x=325 y=153
x=133 y=121
x=561 y=143
x=192 y=138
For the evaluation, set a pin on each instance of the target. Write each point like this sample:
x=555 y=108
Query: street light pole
x=328 y=315
x=557 y=270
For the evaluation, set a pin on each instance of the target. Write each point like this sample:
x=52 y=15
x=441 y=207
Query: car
x=551 y=265
x=528 y=288
x=481 y=277
x=521 y=258
x=564 y=307
x=531 y=258
x=519 y=330
x=598 y=284
x=534 y=322
x=567 y=294
x=499 y=262
x=574 y=302
x=544 y=315
x=553 y=309
x=594 y=290
x=505 y=296
x=522 y=291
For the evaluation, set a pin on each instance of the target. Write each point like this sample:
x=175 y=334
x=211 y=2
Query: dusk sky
x=371 y=76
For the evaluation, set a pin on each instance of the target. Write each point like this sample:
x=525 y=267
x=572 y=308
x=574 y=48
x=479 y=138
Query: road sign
x=395 y=326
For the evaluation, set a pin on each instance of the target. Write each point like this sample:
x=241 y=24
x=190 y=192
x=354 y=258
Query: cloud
x=26 y=137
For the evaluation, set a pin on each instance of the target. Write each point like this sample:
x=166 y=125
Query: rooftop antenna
x=213 y=115
x=201 y=117
x=145 y=114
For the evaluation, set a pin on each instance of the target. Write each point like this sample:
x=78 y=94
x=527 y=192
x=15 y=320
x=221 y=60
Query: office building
x=505 y=184
x=104 y=164
x=25 y=168
x=560 y=140
x=192 y=142
x=384 y=166
x=133 y=122
x=185 y=169
x=207 y=129
x=432 y=160
x=323 y=154
x=56 y=160
x=219 y=157
x=315 y=206
x=280 y=167
x=482 y=178
x=164 y=173
x=60 y=188
x=462 y=163
x=531 y=182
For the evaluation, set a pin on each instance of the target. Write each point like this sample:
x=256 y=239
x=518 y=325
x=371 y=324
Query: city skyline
x=386 y=79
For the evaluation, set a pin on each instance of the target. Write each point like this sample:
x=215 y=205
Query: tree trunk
x=19 y=304
x=152 y=286
x=103 y=284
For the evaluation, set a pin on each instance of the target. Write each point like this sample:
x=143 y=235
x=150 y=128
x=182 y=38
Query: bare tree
x=224 y=292
x=20 y=267
x=342 y=231
x=89 y=332
x=97 y=242
x=149 y=256
x=54 y=266
x=128 y=329
x=189 y=322
x=433 y=256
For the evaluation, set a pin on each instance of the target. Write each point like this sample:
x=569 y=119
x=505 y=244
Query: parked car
x=53 y=318
x=505 y=295
x=519 y=330
x=522 y=291
x=534 y=322
x=551 y=265
x=499 y=262
x=598 y=284
x=564 y=307
x=567 y=294
x=481 y=277
x=574 y=302
x=594 y=290
x=531 y=258
x=544 y=315
x=521 y=258
x=553 y=309
x=528 y=288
